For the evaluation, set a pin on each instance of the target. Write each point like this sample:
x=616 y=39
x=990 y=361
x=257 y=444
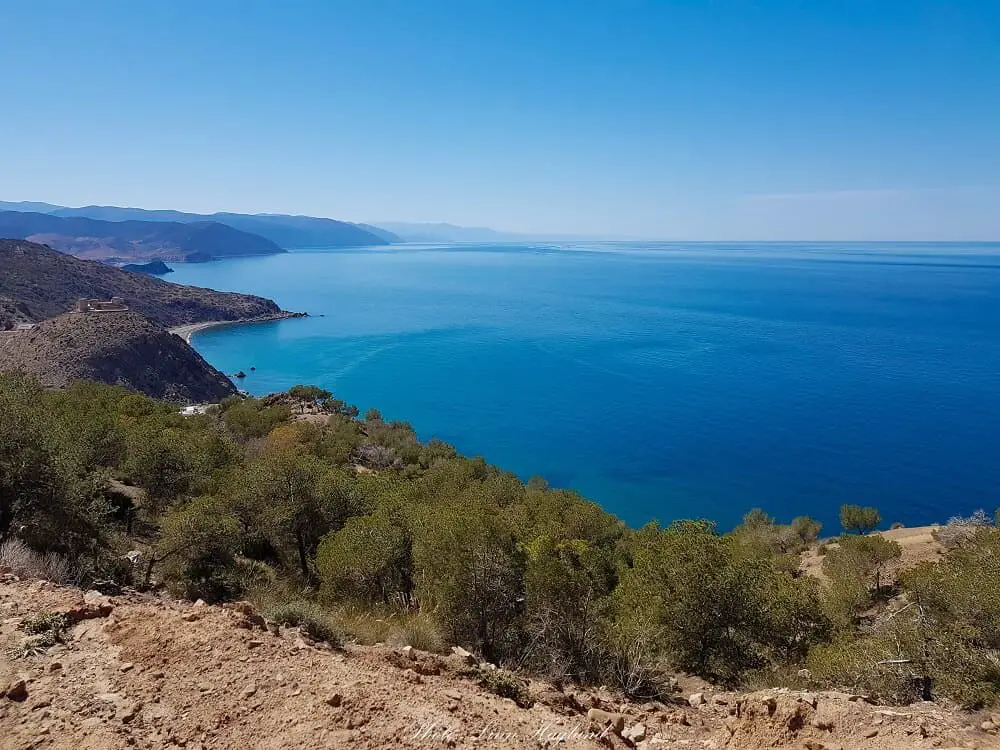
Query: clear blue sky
x=794 y=119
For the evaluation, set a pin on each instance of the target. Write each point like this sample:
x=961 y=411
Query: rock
x=871 y=733
x=335 y=700
x=129 y=713
x=987 y=726
x=635 y=733
x=17 y=691
x=249 y=691
x=55 y=666
x=126 y=667
x=254 y=644
x=407 y=651
x=466 y=656
x=804 y=673
x=607 y=719
x=190 y=617
x=200 y=603
x=87 y=611
x=696 y=699
x=409 y=674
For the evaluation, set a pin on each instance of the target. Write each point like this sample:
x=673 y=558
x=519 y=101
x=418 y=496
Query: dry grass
x=24 y=562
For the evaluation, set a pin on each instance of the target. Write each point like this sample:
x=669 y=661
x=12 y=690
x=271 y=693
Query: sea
x=661 y=380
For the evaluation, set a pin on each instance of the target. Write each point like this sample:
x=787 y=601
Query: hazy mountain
x=41 y=208
x=441 y=232
x=286 y=231
x=134 y=240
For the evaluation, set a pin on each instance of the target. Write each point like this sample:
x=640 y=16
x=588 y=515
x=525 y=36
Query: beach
x=186 y=332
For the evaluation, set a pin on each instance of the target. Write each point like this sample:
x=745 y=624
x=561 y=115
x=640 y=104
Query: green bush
x=309 y=617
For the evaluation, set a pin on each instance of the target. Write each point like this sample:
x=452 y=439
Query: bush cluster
x=352 y=526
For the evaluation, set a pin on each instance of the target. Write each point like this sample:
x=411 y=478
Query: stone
x=467 y=656
x=407 y=651
x=200 y=603
x=130 y=712
x=871 y=733
x=254 y=644
x=607 y=719
x=55 y=666
x=190 y=617
x=334 y=700
x=635 y=733
x=696 y=699
x=17 y=691
x=987 y=726
x=249 y=691
x=126 y=667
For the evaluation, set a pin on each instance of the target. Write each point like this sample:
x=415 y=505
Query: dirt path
x=141 y=672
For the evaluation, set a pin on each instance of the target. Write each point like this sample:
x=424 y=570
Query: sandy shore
x=186 y=332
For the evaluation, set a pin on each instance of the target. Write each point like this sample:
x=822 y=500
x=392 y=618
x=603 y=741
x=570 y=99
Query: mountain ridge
x=49 y=283
x=130 y=240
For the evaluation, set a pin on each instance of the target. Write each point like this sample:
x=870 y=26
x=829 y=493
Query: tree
x=197 y=547
x=309 y=393
x=710 y=609
x=368 y=559
x=859 y=520
x=855 y=569
x=470 y=573
x=566 y=583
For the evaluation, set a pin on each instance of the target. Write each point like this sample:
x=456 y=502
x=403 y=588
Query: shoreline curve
x=188 y=331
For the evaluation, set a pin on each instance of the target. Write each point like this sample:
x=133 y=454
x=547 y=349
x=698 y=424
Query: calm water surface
x=660 y=380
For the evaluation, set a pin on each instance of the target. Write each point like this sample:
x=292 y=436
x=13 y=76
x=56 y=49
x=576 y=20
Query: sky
x=711 y=120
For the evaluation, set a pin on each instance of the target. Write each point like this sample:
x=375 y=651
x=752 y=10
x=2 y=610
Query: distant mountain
x=33 y=206
x=133 y=240
x=287 y=231
x=441 y=232
x=48 y=283
x=121 y=348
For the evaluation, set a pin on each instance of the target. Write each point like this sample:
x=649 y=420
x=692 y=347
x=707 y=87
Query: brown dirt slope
x=121 y=348
x=140 y=672
x=49 y=283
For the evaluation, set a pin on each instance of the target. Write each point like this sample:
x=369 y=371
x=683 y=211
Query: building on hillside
x=115 y=304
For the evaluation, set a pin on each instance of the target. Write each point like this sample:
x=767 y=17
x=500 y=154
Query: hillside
x=284 y=230
x=140 y=671
x=50 y=282
x=119 y=348
x=134 y=240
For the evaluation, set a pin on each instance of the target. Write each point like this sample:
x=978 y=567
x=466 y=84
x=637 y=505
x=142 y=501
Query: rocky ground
x=135 y=671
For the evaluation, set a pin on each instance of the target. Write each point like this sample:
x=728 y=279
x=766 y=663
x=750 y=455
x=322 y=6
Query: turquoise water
x=661 y=380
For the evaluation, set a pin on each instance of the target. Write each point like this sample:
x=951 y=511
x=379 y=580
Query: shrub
x=24 y=562
x=858 y=519
x=959 y=529
x=855 y=570
x=368 y=559
x=310 y=618
x=507 y=685
x=694 y=597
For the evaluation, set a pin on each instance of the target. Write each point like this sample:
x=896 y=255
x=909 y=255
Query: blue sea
x=661 y=380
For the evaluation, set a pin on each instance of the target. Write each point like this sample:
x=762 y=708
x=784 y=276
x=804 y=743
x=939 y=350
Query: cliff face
x=49 y=283
x=120 y=348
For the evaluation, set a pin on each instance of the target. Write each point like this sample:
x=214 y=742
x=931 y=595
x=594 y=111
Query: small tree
x=309 y=393
x=369 y=559
x=859 y=520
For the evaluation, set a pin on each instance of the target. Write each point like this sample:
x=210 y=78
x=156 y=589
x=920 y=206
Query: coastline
x=187 y=331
